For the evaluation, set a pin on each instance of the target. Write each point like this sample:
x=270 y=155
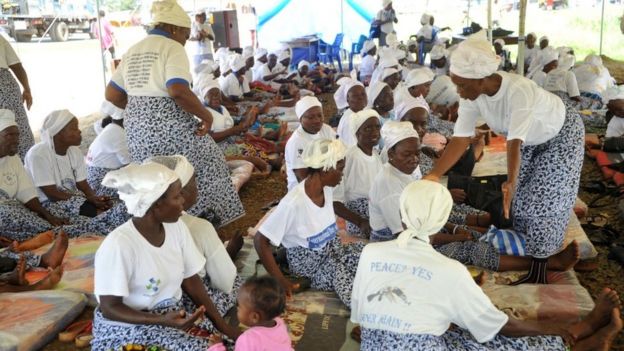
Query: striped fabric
x=507 y=242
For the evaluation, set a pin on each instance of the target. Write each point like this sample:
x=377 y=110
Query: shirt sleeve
x=473 y=309
x=26 y=190
x=294 y=158
x=572 y=84
x=40 y=168
x=177 y=69
x=615 y=127
x=278 y=223
x=9 y=54
x=118 y=81
x=248 y=342
x=520 y=109
x=79 y=164
x=391 y=213
x=113 y=268
x=193 y=259
x=466 y=120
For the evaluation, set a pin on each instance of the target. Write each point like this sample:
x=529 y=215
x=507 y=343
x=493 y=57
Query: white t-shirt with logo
x=562 y=80
x=15 y=182
x=202 y=47
x=358 y=176
x=151 y=65
x=8 y=57
x=109 y=149
x=519 y=110
x=144 y=275
x=295 y=146
x=44 y=166
x=417 y=290
x=299 y=222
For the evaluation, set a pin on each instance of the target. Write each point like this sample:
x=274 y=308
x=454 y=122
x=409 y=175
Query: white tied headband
x=108 y=109
x=260 y=52
x=357 y=119
x=500 y=42
x=177 y=163
x=425 y=208
x=474 y=58
x=408 y=103
x=387 y=72
x=7 y=119
x=442 y=92
x=566 y=61
x=419 y=76
x=324 y=154
x=373 y=91
x=248 y=52
x=438 y=52
x=168 y=11
x=548 y=55
x=53 y=124
x=303 y=63
x=368 y=46
x=614 y=93
x=139 y=186
x=393 y=132
x=340 y=96
x=285 y=54
x=543 y=38
x=206 y=84
x=237 y=62
x=306 y=103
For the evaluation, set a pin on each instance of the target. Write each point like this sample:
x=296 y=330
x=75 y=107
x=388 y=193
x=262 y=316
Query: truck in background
x=23 y=19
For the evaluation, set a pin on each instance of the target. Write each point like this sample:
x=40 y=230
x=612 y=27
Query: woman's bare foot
x=50 y=280
x=235 y=244
x=565 y=259
x=54 y=257
x=599 y=317
x=18 y=276
x=602 y=339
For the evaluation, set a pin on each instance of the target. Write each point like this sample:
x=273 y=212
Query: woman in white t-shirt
x=407 y=296
x=152 y=84
x=593 y=81
x=143 y=267
x=381 y=99
x=311 y=127
x=305 y=224
x=367 y=66
x=385 y=19
x=235 y=86
x=361 y=167
x=109 y=151
x=219 y=273
x=59 y=171
x=13 y=98
x=351 y=95
x=544 y=146
x=614 y=98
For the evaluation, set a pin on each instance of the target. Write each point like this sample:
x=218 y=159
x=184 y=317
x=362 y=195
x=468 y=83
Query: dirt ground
x=258 y=193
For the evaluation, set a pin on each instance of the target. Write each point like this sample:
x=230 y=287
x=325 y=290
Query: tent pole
x=99 y=23
x=521 y=38
x=602 y=24
x=489 y=19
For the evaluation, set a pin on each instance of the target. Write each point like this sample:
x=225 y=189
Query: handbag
x=485 y=194
x=375 y=31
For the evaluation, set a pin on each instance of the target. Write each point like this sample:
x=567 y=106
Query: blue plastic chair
x=327 y=53
x=425 y=46
x=355 y=49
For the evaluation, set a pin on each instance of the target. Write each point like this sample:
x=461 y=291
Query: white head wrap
x=614 y=93
x=532 y=34
x=139 y=186
x=53 y=124
x=542 y=38
x=419 y=76
x=373 y=90
x=500 y=42
x=474 y=58
x=563 y=50
x=260 y=52
x=387 y=59
x=169 y=12
x=285 y=54
x=399 y=54
x=387 y=72
x=222 y=54
x=177 y=163
x=408 y=103
x=566 y=61
x=303 y=63
x=108 y=109
x=248 y=52
x=593 y=59
x=425 y=208
x=7 y=119
x=306 y=103
x=237 y=62
x=340 y=96
x=205 y=85
x=324 y=154
x=425 y=19
x=368 y=46
x=385 y=3
x=393 y=132
x=548 y=55
x=358 y=118
x=391 y=40
x=438 y=52
x=442 y=92
x=206 y=66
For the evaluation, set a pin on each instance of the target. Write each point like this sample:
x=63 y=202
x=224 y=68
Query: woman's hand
x=27 y=98
x=288 y=286
x=203 y=128
x=364 y=226
x=508 y=189
x=101 y=202
x=179 y=320
x=462 y=234
x=56 y=221
x=458 y=195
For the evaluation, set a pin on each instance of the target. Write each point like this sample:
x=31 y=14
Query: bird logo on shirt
x=153 y=284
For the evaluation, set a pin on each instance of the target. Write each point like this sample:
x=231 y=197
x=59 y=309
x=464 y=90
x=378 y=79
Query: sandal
x=596 y=221
x=71 y=332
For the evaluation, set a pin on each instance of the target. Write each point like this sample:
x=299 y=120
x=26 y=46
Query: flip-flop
x=596 y=221
x=70 y=333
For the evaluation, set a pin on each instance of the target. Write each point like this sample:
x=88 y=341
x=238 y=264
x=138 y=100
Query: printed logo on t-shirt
x=9 y=178
x=319 y=240
x=390 y=293
x=300 y=151
x=152 y=287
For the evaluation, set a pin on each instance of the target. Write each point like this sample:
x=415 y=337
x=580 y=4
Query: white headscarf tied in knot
x=53 y=124
x=408 y=103
x=284 y=54
x=425 y=208
x=108 y=109
x=474 y=58
x=248 y=52
x=542 y=38
x=169 y=12
x=385 y=3
x=442 y=92
x=438 y=52
x=303 y=63
x=373 y=91
x=566 y=61
x=393 y=132
x=419 y=76
x=548 y=55
x=260 y=52
x=387 y=72
x=358 y=118
x=425 y=19
x=340 y=96
x=7 y=119
x=368 y=46
x=139 y=186
x=306 y=103
x=324 y=154
x=237 y=62
x=177 y=163
x=593 y=59
x=206 y=84
x=614 y=93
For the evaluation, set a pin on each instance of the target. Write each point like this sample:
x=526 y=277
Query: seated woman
x=380 y=99
x=305 y=224
x=58 y=169
x=406 y=295
x=361 y=167
x=143 y=267
x=109 y=151
x=504 y=54
x=443 y=99
x=108 y=111
x=310 y=113
x=234 y=86
x=559 y=80
x=219 y=273
x=593 y=80
x=351 y=95
x=392 y=77
x=417 y=84
x=367 y=66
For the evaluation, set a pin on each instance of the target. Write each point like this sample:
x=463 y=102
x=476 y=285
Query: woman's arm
x=452 y=153
x=224 y=134
x=101 y=202
x=113 y=308
x=54 y=194
x=116 y=96
x=194 y=287
x=21 y=75
x=341 y=210
x=519 y=328
x=263 y=247
x=513 y=168
x=35 y=206
x=185 y=98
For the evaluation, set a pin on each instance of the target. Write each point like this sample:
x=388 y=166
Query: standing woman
x=11 y=98
x=544 y=146
x=152 y=85
x=385 y=19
